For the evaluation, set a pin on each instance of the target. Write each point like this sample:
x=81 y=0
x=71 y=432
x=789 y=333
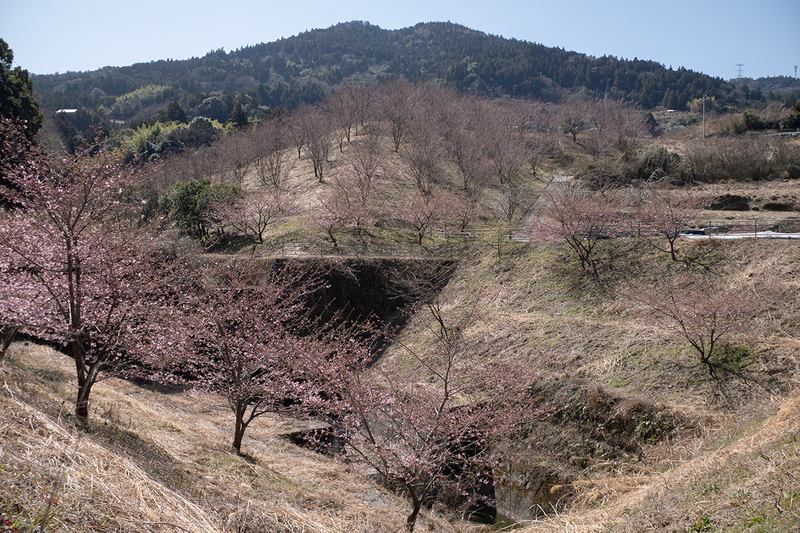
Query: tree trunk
x=238 y=432
x=82 y=401
x=417 y=504
x=84 y=381
x=7 y=337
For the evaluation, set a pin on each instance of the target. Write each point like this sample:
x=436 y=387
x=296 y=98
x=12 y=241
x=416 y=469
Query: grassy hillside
x=641 y=438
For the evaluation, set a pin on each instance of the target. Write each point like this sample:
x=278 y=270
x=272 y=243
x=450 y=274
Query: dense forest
x=306 y=67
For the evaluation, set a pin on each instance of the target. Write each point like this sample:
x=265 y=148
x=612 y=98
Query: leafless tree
x=273 y=164
x=396 y=100
x=354 y=190
x=253 y=213
x=421 y=156
x=573 y=116
x=459 y=121
x=239 y=151
x=503 y=141
x=421 y=212
x=349 y=105
x=660 y=213
x=313 y=128
x=615 y=126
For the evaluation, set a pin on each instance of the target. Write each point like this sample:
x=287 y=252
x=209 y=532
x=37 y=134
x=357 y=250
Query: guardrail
x=754 y=226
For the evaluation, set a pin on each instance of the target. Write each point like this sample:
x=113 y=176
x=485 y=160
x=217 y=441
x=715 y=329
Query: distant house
x=66 y=111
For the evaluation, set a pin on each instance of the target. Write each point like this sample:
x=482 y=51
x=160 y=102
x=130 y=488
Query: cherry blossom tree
x=350 y=200
x=420 y=212
x=274 y=163
x=253 y=213
x=71 y=256
x=428 y=420
x=241 y=322
x=701 y=309
x=460 y=122
x=504 y=146
x=396 y=104
x=239 y=153
x=421 y=156
x=580 y=218
x=314 y=131
x=661 y=214
x=572 y=116
x=335 y=214
x=349 y=105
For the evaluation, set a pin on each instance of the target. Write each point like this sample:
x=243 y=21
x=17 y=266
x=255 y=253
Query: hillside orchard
x=108 y=258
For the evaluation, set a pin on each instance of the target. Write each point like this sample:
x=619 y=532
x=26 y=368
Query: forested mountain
x=303 y=68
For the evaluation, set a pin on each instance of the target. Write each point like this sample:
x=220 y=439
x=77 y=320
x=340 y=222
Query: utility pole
x=739 y=68
x=704 y=117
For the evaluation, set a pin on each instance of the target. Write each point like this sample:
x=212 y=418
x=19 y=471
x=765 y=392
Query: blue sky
x=709 y=36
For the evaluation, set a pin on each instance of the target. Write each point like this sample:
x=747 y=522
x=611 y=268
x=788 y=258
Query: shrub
x=738 y=159
x=187 y=205
x=785 y=159
x=655 y=162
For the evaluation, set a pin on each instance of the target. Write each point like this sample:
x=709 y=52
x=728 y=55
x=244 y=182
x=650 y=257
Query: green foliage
x=129 y=104
x=468 y=59
x=695 y=105
x=147 y=142
x=751 y=121
x=793 y=120
x=215 y=108
x=171 y=113
x=187 y=205
x=16 y=93
x=703 y=523
x=151 y=141
x=238 y=117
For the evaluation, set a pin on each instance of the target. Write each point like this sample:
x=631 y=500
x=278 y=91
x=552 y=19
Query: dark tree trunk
x=239 y=429
x=6 y=338
x=417 y=504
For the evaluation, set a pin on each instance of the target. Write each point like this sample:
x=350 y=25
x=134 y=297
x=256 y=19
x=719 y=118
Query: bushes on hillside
x=188 y=205
x=742 y=159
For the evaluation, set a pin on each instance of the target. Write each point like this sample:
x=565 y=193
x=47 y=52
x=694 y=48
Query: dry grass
x=738 y=434
x=158 y=462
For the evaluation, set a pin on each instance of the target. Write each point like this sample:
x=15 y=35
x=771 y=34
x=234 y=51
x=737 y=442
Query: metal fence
x=754 y=226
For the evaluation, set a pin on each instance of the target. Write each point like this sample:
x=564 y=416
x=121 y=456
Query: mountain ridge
x=468 y=59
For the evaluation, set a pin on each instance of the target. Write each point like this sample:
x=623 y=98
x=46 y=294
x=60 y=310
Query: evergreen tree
x=238 y=116
x=16 y=93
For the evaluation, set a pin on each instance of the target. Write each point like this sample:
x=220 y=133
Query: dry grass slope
x=161 y=462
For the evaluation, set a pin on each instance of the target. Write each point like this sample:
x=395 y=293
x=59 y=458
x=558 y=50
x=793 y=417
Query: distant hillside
x=286 y=72
x=306 y=67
